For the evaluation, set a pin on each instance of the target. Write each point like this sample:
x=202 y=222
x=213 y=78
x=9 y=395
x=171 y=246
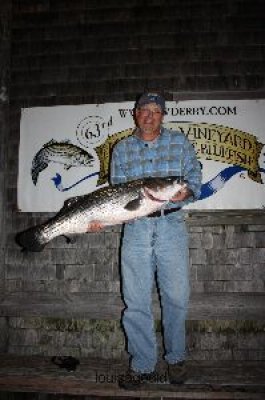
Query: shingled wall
x=67 y=299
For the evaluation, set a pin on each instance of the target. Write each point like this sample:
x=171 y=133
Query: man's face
x=149 y=118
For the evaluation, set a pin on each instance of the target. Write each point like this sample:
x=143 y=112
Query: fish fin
x=25 y=251
x=52 y=141
x=69 y=202
x=67 y=166
x=36 y=169
x=133 y=204
x=31 y=240
x=68 y=239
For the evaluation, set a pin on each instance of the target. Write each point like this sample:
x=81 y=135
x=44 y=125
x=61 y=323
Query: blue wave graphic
x=208 y=189
x=57 y=179
x=218 y=182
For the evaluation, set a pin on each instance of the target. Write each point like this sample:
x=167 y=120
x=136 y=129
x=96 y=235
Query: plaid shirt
x=171 y=154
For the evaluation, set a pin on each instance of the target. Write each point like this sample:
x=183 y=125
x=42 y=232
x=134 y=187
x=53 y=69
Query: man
x=157 y=243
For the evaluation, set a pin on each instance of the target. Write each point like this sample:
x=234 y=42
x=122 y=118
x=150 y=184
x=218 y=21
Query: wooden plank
x=225 y=217
x=234 y=306
x=207 y=380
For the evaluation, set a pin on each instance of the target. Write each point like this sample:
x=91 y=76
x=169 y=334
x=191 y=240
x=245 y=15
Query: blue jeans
x=155 y=244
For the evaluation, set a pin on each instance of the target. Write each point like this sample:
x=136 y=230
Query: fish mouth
x=152 y=197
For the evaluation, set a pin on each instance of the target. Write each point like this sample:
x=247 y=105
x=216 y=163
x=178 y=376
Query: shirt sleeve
x=117 y=174
x=192 y=169
x=191 y=172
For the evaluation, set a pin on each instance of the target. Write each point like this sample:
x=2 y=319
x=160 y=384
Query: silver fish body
x=111 y=205
x=64 y=153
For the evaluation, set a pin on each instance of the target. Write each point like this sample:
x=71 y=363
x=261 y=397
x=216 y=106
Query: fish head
x=163 y=189
x=83 y=158
x=88 y=159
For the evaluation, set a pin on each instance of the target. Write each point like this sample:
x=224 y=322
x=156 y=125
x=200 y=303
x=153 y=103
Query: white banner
x=65 y=150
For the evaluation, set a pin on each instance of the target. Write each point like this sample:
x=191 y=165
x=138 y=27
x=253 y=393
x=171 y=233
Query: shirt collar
x=135 y=134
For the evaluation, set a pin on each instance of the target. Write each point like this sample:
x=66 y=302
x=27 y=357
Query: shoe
x=177 y=373
x=68 y=362
x=132 y=380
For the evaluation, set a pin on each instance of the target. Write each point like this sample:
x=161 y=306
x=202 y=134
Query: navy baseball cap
x=147 y=98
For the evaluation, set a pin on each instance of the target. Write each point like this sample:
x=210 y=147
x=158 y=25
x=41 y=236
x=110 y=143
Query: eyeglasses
x=146 y=112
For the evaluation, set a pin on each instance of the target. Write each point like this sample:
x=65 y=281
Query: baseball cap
x=147 y=98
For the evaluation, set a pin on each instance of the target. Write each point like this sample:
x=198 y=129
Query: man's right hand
x=95 y=226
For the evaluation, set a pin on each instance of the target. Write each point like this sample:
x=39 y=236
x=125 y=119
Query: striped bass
x=64 y=153
x=110 y=205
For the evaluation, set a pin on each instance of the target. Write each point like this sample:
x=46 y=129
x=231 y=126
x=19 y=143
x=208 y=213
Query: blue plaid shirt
x=171 y=154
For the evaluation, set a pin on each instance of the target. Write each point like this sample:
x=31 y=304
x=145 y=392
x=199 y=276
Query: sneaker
x=132 y=380
x=177 y=373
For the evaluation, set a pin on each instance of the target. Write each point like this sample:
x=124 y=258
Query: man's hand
x=95 y=226
x=182 y=194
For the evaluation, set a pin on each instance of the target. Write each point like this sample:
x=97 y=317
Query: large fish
x=110 y=205
x=64 y=153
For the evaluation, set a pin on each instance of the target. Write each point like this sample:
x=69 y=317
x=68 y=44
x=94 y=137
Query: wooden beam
x=234 y=306
x=225 y=217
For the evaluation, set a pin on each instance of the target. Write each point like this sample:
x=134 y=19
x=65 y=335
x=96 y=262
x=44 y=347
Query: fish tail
x=34 y=174
x=38 y=165
x=31 y=239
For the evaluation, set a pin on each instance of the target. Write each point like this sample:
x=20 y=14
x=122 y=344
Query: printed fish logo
x=64 y=153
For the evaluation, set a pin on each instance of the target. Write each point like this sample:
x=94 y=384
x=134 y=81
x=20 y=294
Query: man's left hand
x=182 y=194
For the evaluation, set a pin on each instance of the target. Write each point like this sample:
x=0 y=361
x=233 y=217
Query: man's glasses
x=146 y=112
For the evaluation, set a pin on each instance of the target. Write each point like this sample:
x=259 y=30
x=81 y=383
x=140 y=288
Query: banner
x=65 y=151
